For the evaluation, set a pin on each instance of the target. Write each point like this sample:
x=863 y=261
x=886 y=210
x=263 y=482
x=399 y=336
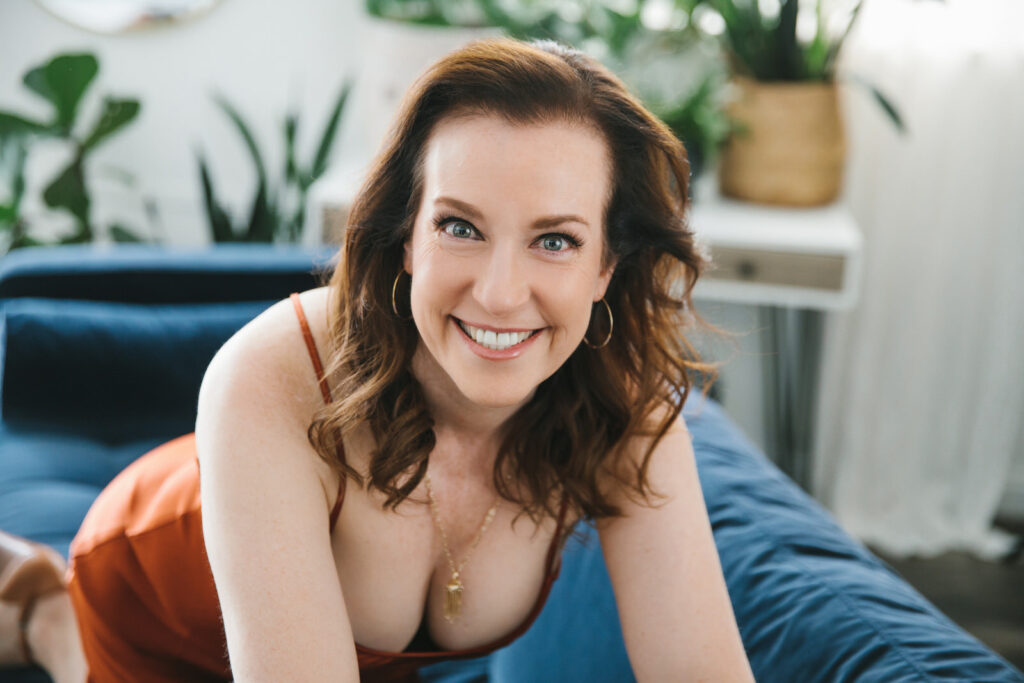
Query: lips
x=496 y=340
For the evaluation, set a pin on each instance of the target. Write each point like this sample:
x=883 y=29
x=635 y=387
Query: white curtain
x=922 y=385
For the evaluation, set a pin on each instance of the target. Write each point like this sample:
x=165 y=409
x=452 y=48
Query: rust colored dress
x=143 y=591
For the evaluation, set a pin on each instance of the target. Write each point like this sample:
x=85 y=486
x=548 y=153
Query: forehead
x=545 y=167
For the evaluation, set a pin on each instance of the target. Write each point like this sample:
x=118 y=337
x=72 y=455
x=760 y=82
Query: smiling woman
x=505 y=347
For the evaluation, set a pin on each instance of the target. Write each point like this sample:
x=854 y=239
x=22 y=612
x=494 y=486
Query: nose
x=501 y=286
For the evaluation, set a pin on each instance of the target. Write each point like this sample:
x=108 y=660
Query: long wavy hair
x=575 y=428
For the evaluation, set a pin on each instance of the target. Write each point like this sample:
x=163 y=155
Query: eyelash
x=574 y=242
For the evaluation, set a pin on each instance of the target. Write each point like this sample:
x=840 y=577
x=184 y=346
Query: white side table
x=794 y=264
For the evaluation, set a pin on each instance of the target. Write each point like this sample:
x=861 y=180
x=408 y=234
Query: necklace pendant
x=453 y=598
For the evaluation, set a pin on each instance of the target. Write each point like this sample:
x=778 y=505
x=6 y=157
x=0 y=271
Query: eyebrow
x=541 y=223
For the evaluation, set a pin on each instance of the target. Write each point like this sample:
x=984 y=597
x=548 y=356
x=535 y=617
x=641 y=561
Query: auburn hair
x=576 y=427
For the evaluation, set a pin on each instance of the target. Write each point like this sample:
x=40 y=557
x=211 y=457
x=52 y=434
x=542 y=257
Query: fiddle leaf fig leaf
x=13 y=124
x=35 y=80
x=116 y=114
x=68 y=191
x=62 y=81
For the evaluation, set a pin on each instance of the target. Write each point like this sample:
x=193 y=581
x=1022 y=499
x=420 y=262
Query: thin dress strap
x=325 y=390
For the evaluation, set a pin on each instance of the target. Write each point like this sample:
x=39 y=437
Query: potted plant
x=788 y=145
x=278 y=212
x=62 y=82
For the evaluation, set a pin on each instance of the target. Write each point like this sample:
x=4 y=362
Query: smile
x=494 y=339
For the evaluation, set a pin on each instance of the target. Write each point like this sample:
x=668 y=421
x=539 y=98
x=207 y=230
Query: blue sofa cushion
x=812 y=603
x=111 y=371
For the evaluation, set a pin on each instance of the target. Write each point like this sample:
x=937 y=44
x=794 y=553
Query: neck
x=469 y=426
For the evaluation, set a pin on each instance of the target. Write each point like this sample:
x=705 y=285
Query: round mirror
x=120 y=16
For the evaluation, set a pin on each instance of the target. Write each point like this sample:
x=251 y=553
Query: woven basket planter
x=793 y=149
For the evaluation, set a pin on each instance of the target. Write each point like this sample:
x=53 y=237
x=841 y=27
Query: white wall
x=263 y=55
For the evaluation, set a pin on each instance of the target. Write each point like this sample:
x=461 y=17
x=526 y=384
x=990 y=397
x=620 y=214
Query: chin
x=490 y=396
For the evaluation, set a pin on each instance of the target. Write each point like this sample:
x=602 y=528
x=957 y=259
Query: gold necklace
x=453 y=592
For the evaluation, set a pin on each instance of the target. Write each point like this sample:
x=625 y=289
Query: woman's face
x=506 y=252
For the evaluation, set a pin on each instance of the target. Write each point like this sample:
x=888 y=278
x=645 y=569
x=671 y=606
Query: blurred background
x=858 y=179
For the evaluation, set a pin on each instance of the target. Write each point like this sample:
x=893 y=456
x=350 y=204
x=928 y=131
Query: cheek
x=436 y=282
x=568 y=302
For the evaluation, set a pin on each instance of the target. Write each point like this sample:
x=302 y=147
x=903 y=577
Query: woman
x=503 y=359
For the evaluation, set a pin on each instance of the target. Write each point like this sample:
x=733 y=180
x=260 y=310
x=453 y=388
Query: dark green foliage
x=62 y=82
x=271 y=218
x=768 y=49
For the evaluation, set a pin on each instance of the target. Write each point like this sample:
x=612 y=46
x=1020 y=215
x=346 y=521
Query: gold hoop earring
x=394 y=292
x=611 y=326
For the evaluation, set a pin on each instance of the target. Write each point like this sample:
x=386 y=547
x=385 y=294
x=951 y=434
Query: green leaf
x=35 y=80
x=116 y=114
x=833 y=49
x=62 y=81
x=888 y=108
x=788 y=57
x=8 y=212
x=883 y=101
x=17 y=169
x=68 y=192
x=818 y=49
x=220 y=223
x=291 y=126
x=327 y=138
x=247 y=136
x=262 y=220
x=119 y=233
x=12 y=124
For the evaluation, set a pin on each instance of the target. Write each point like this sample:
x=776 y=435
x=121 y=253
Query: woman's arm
x=265 y=512
x=675 y=611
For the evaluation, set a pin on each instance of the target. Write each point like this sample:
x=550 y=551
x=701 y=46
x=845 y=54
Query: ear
x=407 y=256
x=603 y=280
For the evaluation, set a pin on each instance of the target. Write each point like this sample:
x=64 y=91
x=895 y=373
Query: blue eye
x=458 y=229
x=455 y=227
x=558 y=242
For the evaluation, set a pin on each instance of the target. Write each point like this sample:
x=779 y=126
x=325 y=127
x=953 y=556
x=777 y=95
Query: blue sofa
x=102 y=355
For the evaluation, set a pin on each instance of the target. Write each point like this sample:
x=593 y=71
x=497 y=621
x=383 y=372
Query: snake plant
x=278 y=211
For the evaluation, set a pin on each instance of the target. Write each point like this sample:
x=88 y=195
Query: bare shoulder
x=263 y=380
x=672 y=453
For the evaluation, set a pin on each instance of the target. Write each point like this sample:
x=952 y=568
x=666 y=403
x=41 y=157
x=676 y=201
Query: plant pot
x=792 y=149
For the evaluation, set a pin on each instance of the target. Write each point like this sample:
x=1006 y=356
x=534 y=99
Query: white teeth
x=494 y=340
